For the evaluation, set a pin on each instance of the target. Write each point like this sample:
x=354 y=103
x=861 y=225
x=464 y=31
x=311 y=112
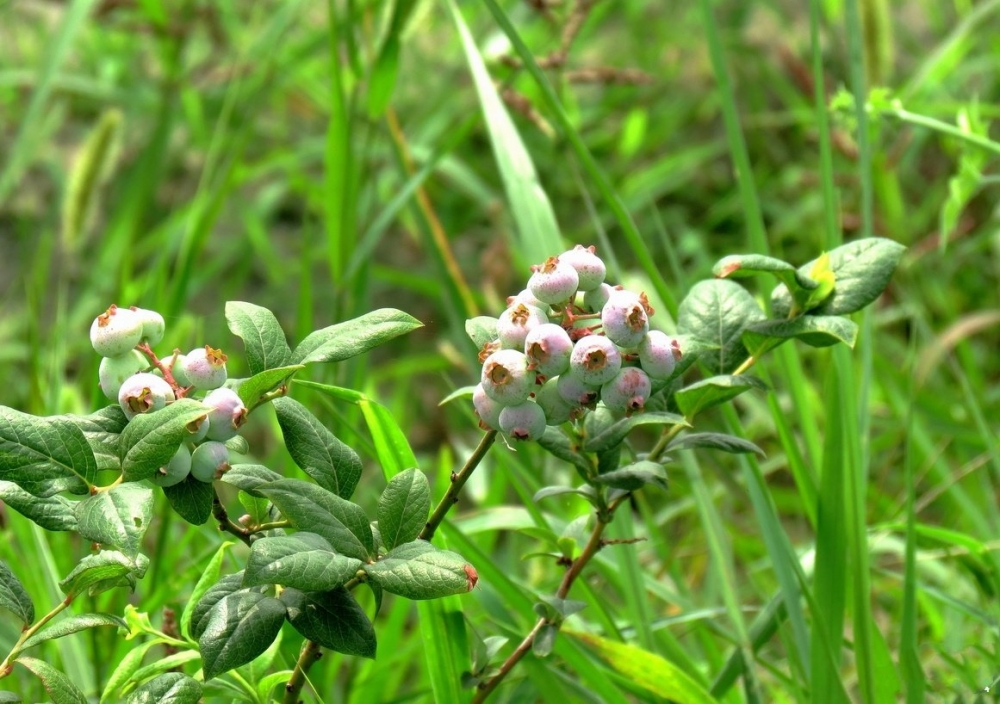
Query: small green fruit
x=209 y=461
x=176 y=470
x=115 y=370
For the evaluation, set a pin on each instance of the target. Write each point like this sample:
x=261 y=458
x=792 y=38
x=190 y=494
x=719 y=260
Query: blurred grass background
x=326 y=159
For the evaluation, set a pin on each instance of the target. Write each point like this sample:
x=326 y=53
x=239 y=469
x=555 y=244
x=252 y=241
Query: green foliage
x=239 y=628
x=13 y=596
x=169 y=688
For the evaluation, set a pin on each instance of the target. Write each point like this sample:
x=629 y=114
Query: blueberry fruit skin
x=205 y=368
x=525 y=421
x=113 y=371
x=575 y=391
x=548 y=348
x=627 y=392
x=209 y=461
x=176 y=471
x=506 y=378
x=554 y=282
x=226 y=414
x=175 y=363
x=153 y=325
x=624 y=319
x=595 y=360
x=144 y=393
x=595 y=300
x=658 y=354
x=516 y=322
x=556 y=408
x=115 y=331
x=590 y=269
x=487 y=409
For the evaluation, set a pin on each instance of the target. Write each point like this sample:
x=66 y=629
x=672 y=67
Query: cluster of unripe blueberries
x=132 y=374
x=567 y=343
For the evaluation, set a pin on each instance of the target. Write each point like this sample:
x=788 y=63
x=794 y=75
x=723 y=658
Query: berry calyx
x=144 y=393
x=505 y=377
x=554 y=282
x=226 y=414
x=205 y=367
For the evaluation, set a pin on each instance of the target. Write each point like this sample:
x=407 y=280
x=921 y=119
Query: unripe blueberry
x=525 y=421
x=557 y=409
x=144 y=393
x=205 y=367
x=548 y=349
x=554 y=281
x=115 y=370
x=624 y=319
x=595 y=360
x=575 y=391
x=176 y=470
x=595 y=299
x=628 y=391
x=589 y=267
x=209 y=461
x=175 y=363
x=152 y=324
x=528 y=298
x=198 y=428
x=115 y=331
x=487 y=409
x=226 y=414
x=658 y=354
x=516 y=322
x=505 y=377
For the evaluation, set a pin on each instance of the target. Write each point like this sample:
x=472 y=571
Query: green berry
x=487 y=409
x=115 y=331
x=506 y=378
x=627 y=392
x=575 y=391
x=525 y=421
x=624 y=319
x=152 y=325
x=595 y=360
x=557 y=409
x=205 y=368
x=177 y=469
x=115 y=370
x=595 y=299
x=175 y=363
x=658 y=354
x=554 y=282
x=589 y=268
x=209 y=461
x=144 y=393
x=226 y=414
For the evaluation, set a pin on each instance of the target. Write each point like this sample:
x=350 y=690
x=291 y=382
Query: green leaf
x=44 y=456
x=14 y=597
x=743 y=265
x=59 y=686
x=403 y=508
x=73 y=624
x=617 y=433
x=266 y=347
x=168 y=688
x=6 y=697
x=717 y=311
x=240 y=627
x=151 y=439
x=354 y=337
x=229 y=584
x=635 y=476
x=546 y=492
x=173 y=661
x=556 y=443
x=102 y=429
x=537 y=229
x=862 y=270
x=418 y=570
x=481 y=330
x=253 y=389
x=383 y=77
x=309 y=507
x=304 y=561
x=249 y=476
x=712 y=391
x=545 y=641
x=692 y=349
x=125 y=669
x=331 y=619
x=209 y=577
x=647 y=670
x=191 y=499
x=334 y=465
x=715 y=441
x=814 y=330
x=53 y=513
x=117 y=518
x=105 y=570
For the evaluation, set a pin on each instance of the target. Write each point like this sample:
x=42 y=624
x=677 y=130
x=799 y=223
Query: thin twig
x=219 y=511
x=457 y=482
x=310 y=653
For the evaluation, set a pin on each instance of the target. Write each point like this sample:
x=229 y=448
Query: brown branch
x=608 y=75
x=219 y=511
x=457 y=482
x=310 y=653
x=519 y=103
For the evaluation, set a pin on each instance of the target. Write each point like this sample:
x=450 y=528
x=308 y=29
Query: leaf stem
x=594 y=544
x=310 y=653
x=457 y=482
x=225 y=524
x=7 y=666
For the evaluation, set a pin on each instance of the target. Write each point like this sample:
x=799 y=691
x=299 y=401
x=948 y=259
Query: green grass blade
x=537 y=229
